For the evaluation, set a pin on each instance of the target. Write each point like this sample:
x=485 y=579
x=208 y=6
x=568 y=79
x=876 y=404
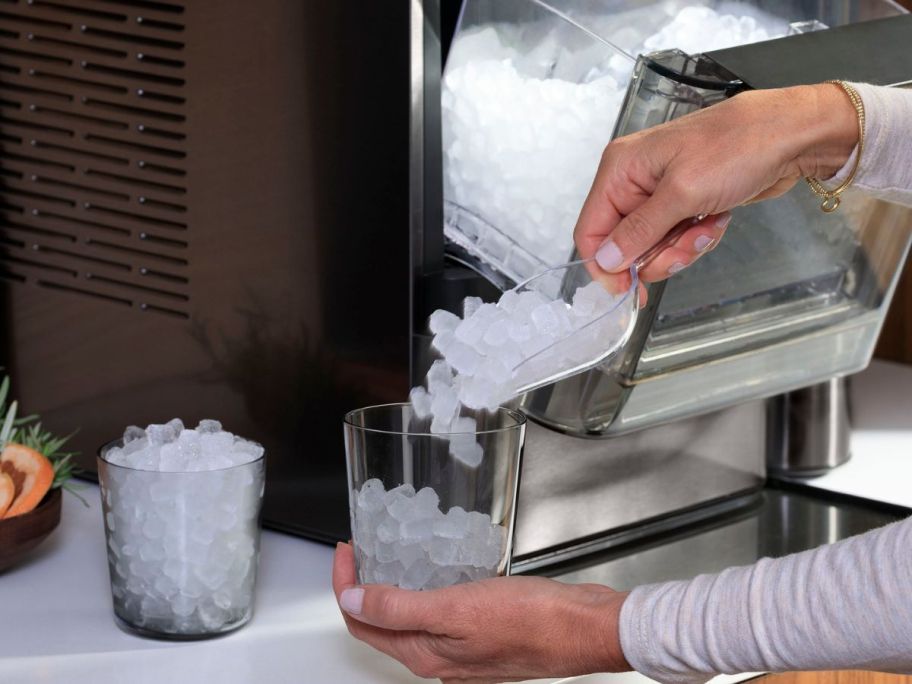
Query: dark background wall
x=896 y=338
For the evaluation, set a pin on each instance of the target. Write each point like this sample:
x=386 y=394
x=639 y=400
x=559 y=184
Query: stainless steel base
x=578 y=495
x=817 y=429
x=784 y=521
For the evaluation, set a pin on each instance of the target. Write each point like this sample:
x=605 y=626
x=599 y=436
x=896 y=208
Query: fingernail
x=675 y=267
x=351 y=601
x=608 y=256
x=703 y=243
x=723 y=219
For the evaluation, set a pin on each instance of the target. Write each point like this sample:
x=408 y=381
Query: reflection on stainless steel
x=573 y=489
x=689 y=556
x=817 y=428
x=785 y=522
x=793 y=521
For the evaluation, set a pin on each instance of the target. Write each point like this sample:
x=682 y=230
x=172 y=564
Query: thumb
x=640 y=230
x=392 y=608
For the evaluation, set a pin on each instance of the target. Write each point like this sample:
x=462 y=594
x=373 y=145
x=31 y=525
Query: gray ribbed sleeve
x=846 y=605
x=886 y=163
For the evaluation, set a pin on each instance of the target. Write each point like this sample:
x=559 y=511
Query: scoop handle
x=668 y=240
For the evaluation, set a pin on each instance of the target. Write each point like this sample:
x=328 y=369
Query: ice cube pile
x=403 y=538
x=499 y=126
x=699 y=29
x=172 y=448
x=182 y=546
x=497 y=348
x=523 y=130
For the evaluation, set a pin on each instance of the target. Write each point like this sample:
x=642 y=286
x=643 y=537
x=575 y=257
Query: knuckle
x=425 y=659
x=387 y=604
x=612 y=152
x=639 y=230
x=462 y=612
x=683 y=190
x=461 y=615
x=424 y=666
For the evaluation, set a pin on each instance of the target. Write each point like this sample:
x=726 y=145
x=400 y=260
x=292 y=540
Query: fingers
x=615 y=283
x=397 y=609
x=642 y=295
x=640 y=230
x=343 y=576
x=698 y=240
x=459 y=680
x=343 y=572
x=598 y=217
x=398 y=645
x=391 y=643
x=379 y=605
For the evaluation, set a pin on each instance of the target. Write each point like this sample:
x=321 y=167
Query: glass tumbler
x=422 y=518
x=182 y=546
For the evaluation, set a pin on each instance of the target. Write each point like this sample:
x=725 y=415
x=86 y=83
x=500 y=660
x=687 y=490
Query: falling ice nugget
x=469 y=454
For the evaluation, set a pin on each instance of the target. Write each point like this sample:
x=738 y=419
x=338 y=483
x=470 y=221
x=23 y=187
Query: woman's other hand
x=495 y=630
x=754 y=146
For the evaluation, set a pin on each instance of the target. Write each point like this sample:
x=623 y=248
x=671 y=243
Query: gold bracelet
x=831 y=197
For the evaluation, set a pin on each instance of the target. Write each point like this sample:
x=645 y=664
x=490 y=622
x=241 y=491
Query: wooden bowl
x=22 y=533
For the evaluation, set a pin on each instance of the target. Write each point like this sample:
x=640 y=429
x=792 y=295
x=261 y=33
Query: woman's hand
x=751 y=147
x=496 y=630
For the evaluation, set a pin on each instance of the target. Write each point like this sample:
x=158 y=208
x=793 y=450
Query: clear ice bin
x=790 y=297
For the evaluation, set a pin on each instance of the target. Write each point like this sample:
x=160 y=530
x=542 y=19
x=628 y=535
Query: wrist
x=828 y=129
x=603 y=631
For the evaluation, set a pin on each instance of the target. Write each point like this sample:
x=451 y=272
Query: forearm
x=848 y=605
x=818 y=135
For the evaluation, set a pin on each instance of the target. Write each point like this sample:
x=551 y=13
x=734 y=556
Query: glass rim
x=107 y=446
x=518 y=416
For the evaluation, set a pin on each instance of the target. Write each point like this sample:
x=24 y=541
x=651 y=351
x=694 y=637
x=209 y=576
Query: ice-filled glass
x=423 y=516
x=182 y=546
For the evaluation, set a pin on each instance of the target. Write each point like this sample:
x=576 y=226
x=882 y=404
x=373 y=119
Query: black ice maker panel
x=204 y=213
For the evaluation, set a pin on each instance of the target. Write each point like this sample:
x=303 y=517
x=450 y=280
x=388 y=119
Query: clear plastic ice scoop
x=603 y=334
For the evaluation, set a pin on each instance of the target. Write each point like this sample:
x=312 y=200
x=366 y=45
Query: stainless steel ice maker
x=678 y=426
x=248 y=211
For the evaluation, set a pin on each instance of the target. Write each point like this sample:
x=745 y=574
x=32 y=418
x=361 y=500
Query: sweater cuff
x=641 y=635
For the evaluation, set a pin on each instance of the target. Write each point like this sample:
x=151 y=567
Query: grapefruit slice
x=32 y=475
x=7 y=492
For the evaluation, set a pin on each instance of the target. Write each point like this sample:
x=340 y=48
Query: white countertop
x=55 y=612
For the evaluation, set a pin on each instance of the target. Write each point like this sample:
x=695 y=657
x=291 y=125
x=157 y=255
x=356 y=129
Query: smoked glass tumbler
x=421 y=516
x=182 y=547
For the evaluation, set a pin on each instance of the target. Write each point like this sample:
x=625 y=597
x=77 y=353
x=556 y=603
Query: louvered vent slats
x=93 y=196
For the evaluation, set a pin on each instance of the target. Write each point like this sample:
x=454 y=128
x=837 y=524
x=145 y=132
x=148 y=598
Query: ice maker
x=248 y=211
x=678 y=426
